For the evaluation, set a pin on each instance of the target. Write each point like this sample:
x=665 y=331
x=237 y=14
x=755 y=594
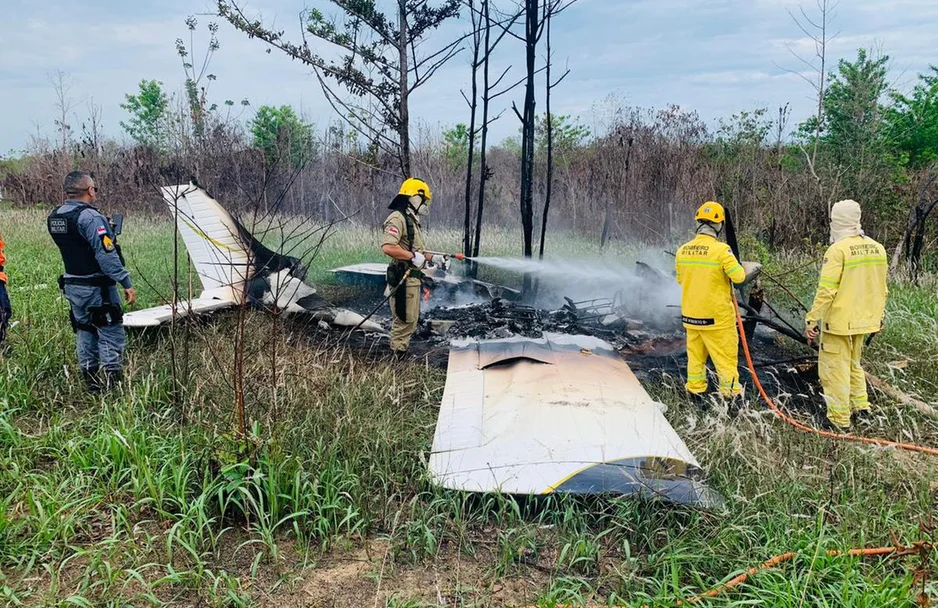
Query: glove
x=752 y=270
x=418 y=260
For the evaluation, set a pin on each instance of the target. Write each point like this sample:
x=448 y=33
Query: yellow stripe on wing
x=217 y=243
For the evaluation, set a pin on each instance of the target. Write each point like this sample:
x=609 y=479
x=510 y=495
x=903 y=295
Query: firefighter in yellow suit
x=850 y=304
x=403 y=242
x=706 y=270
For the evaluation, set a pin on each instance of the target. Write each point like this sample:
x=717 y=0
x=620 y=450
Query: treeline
x=639 y=177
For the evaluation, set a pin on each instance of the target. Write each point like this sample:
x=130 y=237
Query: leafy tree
x=568 y=133
x=855 y=155
x=912 y=122
x=148 y=113
x=378 y=61
x=456 y=145
x=281 y=134
x=854 y=116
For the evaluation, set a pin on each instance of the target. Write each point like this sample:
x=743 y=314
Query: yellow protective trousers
x=722 y=346
x=401 y=331
x=842 y=377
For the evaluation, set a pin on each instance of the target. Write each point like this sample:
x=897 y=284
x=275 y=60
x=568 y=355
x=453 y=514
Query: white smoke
x=653 y=297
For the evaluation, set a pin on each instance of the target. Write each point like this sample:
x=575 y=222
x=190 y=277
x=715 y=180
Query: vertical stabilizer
x=213 y=237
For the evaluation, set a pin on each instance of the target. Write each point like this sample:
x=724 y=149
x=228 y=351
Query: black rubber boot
x=92 y=380
x=699 y=400
x=863 y=418
x=824 y=423
x=734 y=405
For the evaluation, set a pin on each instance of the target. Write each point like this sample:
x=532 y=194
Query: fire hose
x=920 y=547
x=459 y=256
x=897 y=550
x=786 y=418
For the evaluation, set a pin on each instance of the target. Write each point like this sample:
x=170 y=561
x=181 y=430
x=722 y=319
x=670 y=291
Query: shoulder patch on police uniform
x=392 y=230
x=107 y=242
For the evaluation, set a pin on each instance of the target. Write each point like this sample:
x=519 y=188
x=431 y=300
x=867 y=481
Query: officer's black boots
x=106 y=380
x=92 y=380
x=112 y=379
x=863 y=417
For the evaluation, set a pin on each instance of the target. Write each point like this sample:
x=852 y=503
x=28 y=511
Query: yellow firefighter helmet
x=413 y=186
x=711 y=211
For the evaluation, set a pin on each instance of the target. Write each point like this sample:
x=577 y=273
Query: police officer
x=706 y=268
x=93 y=269
x=403 y=243
x=850 y=304
x=6 y=311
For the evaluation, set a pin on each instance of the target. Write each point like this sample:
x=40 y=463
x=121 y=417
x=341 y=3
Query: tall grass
x=112 y=501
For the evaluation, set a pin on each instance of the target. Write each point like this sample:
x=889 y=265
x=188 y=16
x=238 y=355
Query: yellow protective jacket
x=3 y=260
x=851 y=293
x=705 y=267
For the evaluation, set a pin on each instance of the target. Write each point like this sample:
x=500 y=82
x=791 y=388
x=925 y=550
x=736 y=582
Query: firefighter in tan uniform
x=850 y=304
x=403 y=243
x=706 y=270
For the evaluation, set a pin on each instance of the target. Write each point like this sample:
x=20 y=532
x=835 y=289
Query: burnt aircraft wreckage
x=532 y=405
x=234 y=268
x=560 y=413
x=441 y=283
x=541 y=402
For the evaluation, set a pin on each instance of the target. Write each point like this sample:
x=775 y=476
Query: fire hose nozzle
x=459 y=256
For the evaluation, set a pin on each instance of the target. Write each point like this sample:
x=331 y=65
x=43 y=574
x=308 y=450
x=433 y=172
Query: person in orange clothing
x=6 y=311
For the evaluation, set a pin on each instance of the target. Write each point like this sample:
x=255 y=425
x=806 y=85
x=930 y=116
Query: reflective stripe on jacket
x=851 y=293
x=705 y=268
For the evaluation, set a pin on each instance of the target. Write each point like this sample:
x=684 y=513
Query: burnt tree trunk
x=403 y=113
x=473 y=104
x=913 y=239
x=531 y=33
x=484 y=172
x=550 y=136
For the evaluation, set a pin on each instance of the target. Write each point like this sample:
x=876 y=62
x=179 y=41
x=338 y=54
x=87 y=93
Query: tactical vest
x=77 y=253
x=397 y=272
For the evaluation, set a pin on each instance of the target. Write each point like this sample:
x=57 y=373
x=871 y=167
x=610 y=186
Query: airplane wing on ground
x=560 y=413
x=159 y=315
x=216 y=247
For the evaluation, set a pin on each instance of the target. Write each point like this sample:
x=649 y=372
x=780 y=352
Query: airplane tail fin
x=232 y=264
x=215 y=240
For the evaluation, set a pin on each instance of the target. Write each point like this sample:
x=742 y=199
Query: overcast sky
x=712 y=56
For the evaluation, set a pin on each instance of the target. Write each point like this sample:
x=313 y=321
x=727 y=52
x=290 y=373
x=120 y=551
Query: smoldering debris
x=640 y=287
x=500 y=318
x=641 y=319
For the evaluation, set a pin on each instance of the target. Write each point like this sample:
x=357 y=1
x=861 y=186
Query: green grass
x=150 y=497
